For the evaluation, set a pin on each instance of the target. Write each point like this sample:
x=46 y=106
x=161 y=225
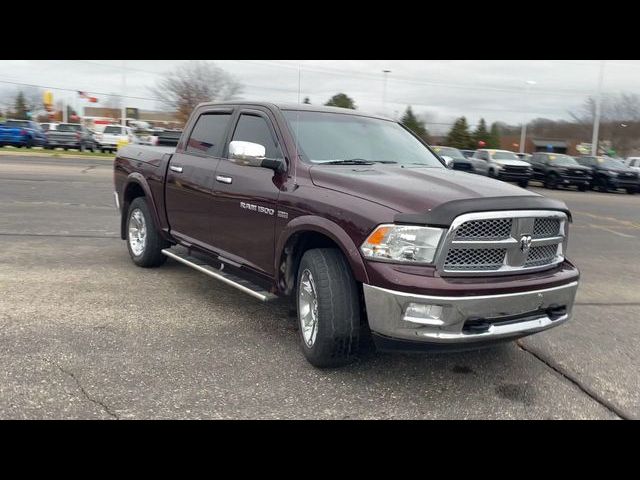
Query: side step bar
x=241 y=284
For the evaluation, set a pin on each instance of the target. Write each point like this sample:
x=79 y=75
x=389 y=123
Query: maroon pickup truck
x=356 y=220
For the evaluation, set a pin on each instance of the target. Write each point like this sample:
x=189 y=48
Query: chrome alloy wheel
x=137 y=232
x=308 y=308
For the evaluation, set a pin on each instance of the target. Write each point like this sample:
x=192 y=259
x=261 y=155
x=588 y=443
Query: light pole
x=384 y=91
x=596 y=119
x=523 y=132
x=123 y=111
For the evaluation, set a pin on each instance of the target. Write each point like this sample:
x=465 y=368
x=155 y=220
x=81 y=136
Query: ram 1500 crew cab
x=356 y=220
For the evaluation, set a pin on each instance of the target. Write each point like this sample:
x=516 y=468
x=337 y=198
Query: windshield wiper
x=352 y=161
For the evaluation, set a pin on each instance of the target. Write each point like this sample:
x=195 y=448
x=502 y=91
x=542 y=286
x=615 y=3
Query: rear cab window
x=208 y=134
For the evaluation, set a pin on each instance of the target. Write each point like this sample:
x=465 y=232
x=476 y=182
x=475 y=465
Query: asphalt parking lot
x=86 y=334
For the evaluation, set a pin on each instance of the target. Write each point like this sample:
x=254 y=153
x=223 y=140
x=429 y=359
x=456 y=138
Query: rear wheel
x=631 y=190
x=143 y=239
x=328 y=308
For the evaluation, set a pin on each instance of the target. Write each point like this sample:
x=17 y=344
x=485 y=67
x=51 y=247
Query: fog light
x=423 y=314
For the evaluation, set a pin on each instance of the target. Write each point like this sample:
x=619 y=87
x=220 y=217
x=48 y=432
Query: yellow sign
x=122 y=142
x=47 y=97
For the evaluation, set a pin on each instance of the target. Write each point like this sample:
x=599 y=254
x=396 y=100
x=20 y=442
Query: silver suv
x=503 y=165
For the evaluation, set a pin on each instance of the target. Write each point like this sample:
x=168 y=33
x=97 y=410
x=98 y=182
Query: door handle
x=223 y=179
x=176 y=169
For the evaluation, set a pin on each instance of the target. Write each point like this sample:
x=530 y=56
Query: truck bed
x=145 y=153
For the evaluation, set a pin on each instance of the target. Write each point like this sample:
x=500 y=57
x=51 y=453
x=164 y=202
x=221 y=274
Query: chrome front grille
x=496 y=229
x=546 y=227
x=503 y=242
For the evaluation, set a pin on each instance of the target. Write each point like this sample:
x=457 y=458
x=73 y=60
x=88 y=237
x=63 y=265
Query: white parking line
x=612 y=231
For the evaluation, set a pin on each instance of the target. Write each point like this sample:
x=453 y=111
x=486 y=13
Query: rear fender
x=138 y=179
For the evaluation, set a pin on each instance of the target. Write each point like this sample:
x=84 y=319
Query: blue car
x=22 y=133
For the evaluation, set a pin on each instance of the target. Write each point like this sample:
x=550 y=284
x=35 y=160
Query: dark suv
x=457 y=159
x=610 y=174
x=555 y=170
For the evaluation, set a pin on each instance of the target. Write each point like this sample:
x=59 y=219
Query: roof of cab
x=300 y=107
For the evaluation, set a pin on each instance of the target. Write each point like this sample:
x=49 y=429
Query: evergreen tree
x=459 y=136
x=481 y=134
x=20 y=107
x=341 y=100
x=494 y=136
x=307 y=101
x=414 y=124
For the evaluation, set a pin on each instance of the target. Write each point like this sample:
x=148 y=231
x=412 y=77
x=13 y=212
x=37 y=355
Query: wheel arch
x=136 y=186
x=305 y=233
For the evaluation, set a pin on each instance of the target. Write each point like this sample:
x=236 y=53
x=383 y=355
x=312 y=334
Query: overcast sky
x=440 y=90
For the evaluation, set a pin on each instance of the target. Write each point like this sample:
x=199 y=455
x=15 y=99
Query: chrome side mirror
x=252 y=155
x=247 y=153
x=448 y=161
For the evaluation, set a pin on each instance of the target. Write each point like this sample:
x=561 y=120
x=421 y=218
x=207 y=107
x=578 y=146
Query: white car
x=633 y=162
x=112 y=135
x=504 y=165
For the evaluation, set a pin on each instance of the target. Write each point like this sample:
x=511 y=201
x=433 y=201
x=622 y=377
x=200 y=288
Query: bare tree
x=193 y=83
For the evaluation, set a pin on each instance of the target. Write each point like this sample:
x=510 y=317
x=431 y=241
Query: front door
x=189 y=192
x=247 y=197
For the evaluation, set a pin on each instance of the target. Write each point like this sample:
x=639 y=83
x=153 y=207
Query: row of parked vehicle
x=554 y=170
x=27 y=133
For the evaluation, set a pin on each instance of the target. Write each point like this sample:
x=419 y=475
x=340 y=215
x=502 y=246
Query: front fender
x=334 y=232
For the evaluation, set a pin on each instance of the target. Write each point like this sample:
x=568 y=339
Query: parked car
x=113 y=135
x=353 y=219
x=610 y=174
x=21 y=133
x=468 y=153
x=70 y=135
x=634 y=163
x=503 y=165
x=455 y=157
x=48 y=126
x=559 y=170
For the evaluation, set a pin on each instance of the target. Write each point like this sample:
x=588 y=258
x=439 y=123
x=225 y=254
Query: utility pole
x=123 y=112
x=523 y=131
x=596 y=119
x=384 y=91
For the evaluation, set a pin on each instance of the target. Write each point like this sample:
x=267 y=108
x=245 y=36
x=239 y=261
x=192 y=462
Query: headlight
x=402 y=243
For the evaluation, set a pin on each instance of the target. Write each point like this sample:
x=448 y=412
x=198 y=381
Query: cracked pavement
x=84 y=334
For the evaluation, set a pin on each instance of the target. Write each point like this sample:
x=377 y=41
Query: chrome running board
x=241 y=284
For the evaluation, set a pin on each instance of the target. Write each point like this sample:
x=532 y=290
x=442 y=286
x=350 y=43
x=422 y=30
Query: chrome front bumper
x=469 y=319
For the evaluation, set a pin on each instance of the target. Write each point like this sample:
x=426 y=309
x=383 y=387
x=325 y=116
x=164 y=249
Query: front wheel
x=551 y=182
x=631 y=190
x=143 y=239
x=328 y=308
x=523 y=183
x=582 y=188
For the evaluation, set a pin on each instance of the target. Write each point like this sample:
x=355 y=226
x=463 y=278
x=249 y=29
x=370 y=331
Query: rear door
x=247 y=196
x=189 y=184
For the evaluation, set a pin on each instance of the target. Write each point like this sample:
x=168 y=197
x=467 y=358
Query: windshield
x=115 y=130
x=610 y=162
x=16 y=124
x=69 y=127
x=504 y=156
x=449 y=152
x=334 y=137
x=565 y=160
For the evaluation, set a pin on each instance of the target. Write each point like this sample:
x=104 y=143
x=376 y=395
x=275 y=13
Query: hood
x=411 y=189
x=512 y=163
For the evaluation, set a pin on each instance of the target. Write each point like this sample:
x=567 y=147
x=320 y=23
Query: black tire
x=631 y=190
x=81 y=147
x=523 y=183
x=152 y=255
x=66 y=148
x=338 y=308
x=551 y=181
x=582 y=188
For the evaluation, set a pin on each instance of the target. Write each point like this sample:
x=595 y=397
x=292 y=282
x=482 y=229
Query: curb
x=54 y=155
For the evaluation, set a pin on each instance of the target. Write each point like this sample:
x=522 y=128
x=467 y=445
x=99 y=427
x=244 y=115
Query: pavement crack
x=84 y=392
x=591 y=393
x=90 y=167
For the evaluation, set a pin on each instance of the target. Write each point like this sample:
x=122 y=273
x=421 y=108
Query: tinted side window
x=208 y=133
x=255 y=129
